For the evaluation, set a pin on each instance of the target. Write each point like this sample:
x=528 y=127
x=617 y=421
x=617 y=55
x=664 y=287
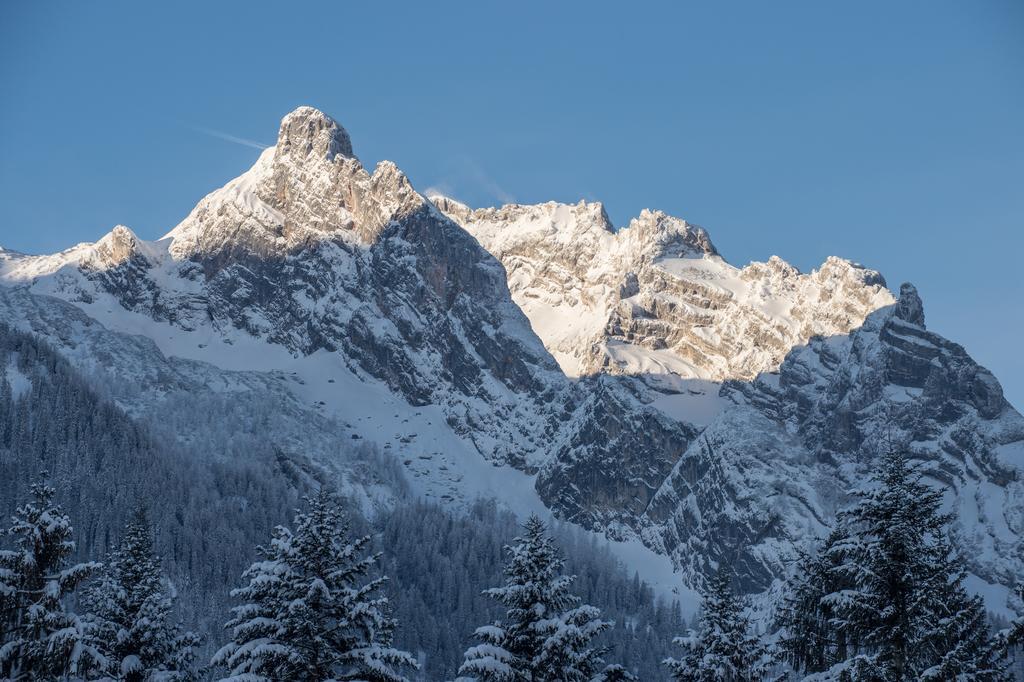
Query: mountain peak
x=670 y=235
x=309 y=131
x=909 y=307
x=115 y=247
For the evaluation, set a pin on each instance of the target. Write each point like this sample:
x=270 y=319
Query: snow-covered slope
x=794 y=382
x=631 y=380
x=777 y=466
x=656 y=298
x=310 y=252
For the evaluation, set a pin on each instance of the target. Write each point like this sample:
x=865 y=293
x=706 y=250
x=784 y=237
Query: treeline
x=440 y=562
x=206 y=511
x=210 y=503
x=312 y=607
x=883 y=599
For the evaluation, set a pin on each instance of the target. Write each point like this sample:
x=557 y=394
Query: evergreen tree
x=130 y=613
x=546 y=633
x=809 y=640
x=723 y=649
x=1011 y=638
x=41 y=639
x=887 y=595
x=308 y=615
x=193 y=483
x=1014 y=635
x=615 y=673
x=958 y=636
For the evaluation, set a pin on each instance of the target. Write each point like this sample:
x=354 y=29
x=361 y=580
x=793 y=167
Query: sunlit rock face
x=649 y=389
x=656 y=296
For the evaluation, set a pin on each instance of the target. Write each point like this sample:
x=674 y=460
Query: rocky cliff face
x=636 y=382
x=656 y=297
x=310 y=251
x=775 y=390
x=778 y=464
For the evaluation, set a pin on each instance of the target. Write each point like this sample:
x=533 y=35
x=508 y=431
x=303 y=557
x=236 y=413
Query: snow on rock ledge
x=657 y=296
x=717 y=412
x=310 y=132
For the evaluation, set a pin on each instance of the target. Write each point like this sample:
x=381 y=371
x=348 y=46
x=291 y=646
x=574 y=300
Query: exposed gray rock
x=718 y=414
x=909 y=307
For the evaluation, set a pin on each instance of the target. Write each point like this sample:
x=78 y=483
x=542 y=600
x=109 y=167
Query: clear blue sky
x=891 y=133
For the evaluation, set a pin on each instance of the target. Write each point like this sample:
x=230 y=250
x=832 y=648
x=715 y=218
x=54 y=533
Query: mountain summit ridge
x=311 y=131
x=631 y=381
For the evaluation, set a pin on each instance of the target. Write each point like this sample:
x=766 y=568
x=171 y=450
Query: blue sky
x=887 y=133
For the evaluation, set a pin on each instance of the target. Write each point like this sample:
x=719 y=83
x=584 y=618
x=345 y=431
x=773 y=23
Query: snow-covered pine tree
x=808 y=639
x=1013 y=636
x=891 y=586
x=130 y=613
x=491 y=660
x=1011 y=640
x=723 y=650
x=546 y=634
x=959 y=631
x=307 y=612
x=908 y=611
x=41 y=639
x=614 y=673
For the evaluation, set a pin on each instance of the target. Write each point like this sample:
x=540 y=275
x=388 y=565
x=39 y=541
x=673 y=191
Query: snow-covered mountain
x=629 y=380
x=656 y=298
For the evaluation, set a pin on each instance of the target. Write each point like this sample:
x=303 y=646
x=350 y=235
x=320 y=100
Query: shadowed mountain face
x=777 y=465
x=630 y=380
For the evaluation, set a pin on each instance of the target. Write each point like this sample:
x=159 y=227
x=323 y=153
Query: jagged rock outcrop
x=775 y=468
x=612 y=457
x=656 y=297
x=643 y=386
x=310 y=251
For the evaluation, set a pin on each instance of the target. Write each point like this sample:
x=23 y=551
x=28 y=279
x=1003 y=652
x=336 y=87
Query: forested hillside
x=440 y=563
x=211 y=504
